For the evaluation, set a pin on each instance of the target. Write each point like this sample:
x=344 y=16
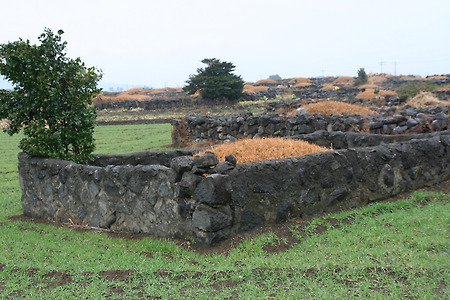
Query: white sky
x=157 y=43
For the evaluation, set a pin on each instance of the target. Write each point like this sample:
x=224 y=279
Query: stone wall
x=229 y=128
x=172 y=194
x=146 y=104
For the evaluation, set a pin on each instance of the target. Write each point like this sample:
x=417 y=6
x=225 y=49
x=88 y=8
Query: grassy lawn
x=388 y=250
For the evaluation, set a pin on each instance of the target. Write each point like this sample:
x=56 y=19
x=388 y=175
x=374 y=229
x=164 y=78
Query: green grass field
x=388 y=250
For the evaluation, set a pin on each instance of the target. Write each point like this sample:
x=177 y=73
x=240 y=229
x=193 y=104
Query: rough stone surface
x=157 y=192
x=247 y=125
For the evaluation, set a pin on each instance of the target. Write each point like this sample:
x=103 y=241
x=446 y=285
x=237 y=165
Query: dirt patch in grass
x=117 y=275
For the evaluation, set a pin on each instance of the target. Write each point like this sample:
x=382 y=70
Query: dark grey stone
x=338 y=194
x=188 y=183
x=182 y=164
x=231 y=159
x=224 y=167
x=211 y=219
x=250 y=220
x=207 y=160
x=214 y=190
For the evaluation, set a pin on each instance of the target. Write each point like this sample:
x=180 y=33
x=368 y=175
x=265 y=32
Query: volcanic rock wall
x=172 y=194
x=229 y=128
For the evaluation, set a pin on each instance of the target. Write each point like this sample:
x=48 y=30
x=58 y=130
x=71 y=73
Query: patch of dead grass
x=369 y=86
x=335 y=107
x=248 y=88
x=426 y=99
x=139 y=94
x=259 y=149
x=265 y=81
x=345 y=81
x=436 y=77
x=299 y=80
x=329 y=86
x=302 y=84
x=370 y=93
x=377 y=79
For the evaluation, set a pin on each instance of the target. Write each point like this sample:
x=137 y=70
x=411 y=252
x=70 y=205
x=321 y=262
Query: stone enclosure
x=172 y=194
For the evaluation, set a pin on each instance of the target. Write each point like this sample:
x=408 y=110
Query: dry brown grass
x=426 y=99
x=300 y=80
x=139 y=94
x=345 y=81
x=334 y=107
x=265 y=81
x=436 y=77
x=329 y=86
x=377 y=79
x=302 y=84
x=248 y=88
x=3 y=124
x=165 y=90
x=249 y=150
x=387 y=93
x=369 y=86
x=371 y=94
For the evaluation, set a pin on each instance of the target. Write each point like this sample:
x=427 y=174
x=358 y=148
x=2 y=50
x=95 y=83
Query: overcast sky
x=157 y=43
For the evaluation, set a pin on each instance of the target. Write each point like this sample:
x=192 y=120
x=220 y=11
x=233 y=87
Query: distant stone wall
x=229 y=128
x=167 y=194
x=146 y=104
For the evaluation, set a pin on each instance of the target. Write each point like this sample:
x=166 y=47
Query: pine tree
x=215 y=81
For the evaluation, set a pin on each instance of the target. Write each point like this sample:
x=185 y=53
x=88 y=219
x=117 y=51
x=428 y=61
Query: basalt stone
x=411 y=123
x=188 y=183
x=286 y=211
x=211 y=219
x=200 y=171
x=400 y=129
x=437 y=124
x=207 y=160
x=309 y=196
x=182 y=164
x=338 y=194
x=250 y=220
x=224 y=167
x=231 y=159
x=441 y=116
x=214 y=190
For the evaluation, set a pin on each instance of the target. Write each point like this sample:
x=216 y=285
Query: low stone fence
x=146 y=104
x=172 y=194
x=229 y=128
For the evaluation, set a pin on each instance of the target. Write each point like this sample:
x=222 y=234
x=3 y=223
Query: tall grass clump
x=335 y=107
x=259 y=149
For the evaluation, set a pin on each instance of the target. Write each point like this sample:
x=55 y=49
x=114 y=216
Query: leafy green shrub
x=51 y=100
x=362 y=77
x=413 y=88
x=215 y=81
